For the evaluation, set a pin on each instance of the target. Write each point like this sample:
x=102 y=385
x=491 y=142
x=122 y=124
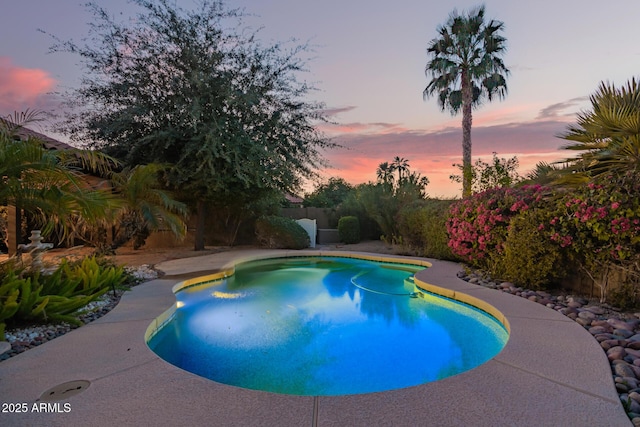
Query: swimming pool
x=324 y=326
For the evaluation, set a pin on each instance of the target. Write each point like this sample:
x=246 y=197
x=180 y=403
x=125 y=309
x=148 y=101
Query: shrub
x=478 y=225
x=349 y=229
x=353 y=206
x=530 y=258
x=35 y=297
x=277 y=232
x=422 y=227
x=625 y=297
x=600 y=225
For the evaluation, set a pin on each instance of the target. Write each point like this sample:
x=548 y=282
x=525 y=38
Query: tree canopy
x=196 y=90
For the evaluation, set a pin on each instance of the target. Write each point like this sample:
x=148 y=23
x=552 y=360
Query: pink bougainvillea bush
x=478 y=225
x=599 y=224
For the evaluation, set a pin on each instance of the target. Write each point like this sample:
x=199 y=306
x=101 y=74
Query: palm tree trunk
x=467 y=99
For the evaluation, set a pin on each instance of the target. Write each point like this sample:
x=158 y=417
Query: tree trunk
x=200 y=225
x=467 y=100
x=14 y=228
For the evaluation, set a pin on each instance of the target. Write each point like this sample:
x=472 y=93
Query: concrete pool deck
x=551 y=373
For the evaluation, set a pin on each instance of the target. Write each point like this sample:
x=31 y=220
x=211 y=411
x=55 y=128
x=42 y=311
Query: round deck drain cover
x=64 y=390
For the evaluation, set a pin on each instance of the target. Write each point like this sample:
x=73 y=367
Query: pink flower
x=614 y=206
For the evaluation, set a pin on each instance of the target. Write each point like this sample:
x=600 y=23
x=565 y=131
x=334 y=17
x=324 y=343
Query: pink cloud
x=433 y=153
x=22 y=88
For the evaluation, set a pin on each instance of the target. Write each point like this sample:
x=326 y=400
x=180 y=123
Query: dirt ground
x=152 y=256
x=130 y=257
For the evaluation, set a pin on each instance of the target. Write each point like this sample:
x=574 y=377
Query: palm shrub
x=607 y=137
x=349 y=229
x=277 y=232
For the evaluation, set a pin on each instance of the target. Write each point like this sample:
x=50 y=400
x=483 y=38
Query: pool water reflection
x=324 y=326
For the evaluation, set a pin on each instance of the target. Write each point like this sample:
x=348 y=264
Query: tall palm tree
x=466 y=67
x=384 y=173
x=608 y=136
x=401 y=165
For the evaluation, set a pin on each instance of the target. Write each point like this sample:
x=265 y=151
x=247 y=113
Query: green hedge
x=277 y=232
x=349 y=229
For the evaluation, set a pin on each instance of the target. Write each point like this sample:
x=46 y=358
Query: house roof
x=293 y=199
x=49 y=143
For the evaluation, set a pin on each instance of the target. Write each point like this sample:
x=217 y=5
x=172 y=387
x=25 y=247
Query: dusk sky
x=368 y=65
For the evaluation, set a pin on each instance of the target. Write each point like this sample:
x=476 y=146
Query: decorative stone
x=619 y=324
x=632 y=352
x=583 y=322
x=617 y=353
x=624 y=333
x=623 y=369
x=569 y=310
x=586 y=315
x=621 y=388
x=594 y=309
x=631 y=382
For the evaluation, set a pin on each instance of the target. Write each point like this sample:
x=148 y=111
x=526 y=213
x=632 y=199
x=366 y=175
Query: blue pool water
x=324 y=326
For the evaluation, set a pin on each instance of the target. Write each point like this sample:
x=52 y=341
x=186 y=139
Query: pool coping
x=551 y=372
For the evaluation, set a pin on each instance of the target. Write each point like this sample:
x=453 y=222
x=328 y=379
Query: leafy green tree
x=501 y=172
x=328 y=194
x=177 y=87
x=608 y=135
x=466 y=67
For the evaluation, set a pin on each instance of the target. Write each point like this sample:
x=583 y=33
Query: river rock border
x=617 y=332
